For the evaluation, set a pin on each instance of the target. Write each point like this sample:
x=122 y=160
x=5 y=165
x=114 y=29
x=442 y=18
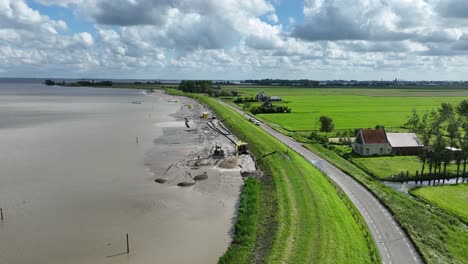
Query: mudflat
x=72 y=188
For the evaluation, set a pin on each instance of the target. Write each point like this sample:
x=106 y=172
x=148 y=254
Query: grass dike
x=291 y=214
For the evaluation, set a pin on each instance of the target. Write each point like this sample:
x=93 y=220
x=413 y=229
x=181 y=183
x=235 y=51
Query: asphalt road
x=392 y=243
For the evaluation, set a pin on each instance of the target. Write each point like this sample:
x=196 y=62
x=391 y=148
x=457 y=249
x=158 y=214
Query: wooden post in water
x=128 y=246
x=1 y=213
x=137 y=140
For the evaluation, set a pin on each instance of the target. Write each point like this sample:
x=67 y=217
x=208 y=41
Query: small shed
x=404 y=143
x=275 y=99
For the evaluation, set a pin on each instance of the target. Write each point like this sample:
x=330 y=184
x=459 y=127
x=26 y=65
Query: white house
x=372 y=142
x=261 y=97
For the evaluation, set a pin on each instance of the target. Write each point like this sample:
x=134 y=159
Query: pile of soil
x=229 y=163
x=160 y=180
x=185 y=184
x=201 y=177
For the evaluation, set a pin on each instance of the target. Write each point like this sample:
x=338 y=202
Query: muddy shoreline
x=198 y=169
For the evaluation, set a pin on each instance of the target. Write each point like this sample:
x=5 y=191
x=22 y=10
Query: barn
x=370 y=142
x=404 y=143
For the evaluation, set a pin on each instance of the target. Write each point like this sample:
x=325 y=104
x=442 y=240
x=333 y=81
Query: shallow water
x=404 y=187
x=73 y=181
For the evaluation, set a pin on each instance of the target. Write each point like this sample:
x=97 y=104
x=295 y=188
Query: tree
x=316 y=138
x=49 y=82
x=446 y=111
x=326 y=124
x=462 y=108
x=453 y=129
x=414 y=122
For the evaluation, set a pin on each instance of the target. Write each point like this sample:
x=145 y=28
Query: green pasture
x=385 y=167
x=452 y=198
x=352 y=108
x=311 y=222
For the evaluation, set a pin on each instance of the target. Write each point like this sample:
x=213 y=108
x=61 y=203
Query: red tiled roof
x=374 y=136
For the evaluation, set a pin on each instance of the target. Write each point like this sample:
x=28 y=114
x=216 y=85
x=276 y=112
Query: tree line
x=196 y=86
x=447 y=126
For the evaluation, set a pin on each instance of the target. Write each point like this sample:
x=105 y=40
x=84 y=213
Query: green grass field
x=385 y=167
x=452 y=198
x=353 y=108
x=310 y=222
x=441 y=237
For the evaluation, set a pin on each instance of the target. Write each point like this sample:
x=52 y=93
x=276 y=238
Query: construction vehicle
x=242 y=148
x=218 y=152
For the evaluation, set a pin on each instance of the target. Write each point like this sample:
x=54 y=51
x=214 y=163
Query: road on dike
x=393 y=244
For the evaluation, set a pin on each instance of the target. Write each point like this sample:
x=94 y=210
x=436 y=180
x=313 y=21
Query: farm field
x=305 y=203
x=385 y=167
x=352 y=108
x=452 y=198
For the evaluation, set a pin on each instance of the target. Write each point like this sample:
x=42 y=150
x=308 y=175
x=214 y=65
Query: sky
x=235 y=39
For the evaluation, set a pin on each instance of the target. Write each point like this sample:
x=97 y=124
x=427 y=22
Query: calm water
x=73 y=181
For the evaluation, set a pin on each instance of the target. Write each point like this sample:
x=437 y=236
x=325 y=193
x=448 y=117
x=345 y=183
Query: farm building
x=378 y=142
x=404 y=143
x=261 y=97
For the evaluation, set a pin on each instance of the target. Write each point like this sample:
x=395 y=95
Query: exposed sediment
x=215 y=174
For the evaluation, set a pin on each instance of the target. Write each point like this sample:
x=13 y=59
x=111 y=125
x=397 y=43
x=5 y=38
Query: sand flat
x=71 y=189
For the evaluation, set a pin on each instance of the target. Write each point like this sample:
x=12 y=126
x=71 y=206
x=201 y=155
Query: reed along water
x=74 y=181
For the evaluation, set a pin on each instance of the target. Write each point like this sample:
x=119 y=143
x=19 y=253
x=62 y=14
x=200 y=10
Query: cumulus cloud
x=17 y=15
x=452 y=8
x=363 y=20
x=393 y=26
x=234 y=39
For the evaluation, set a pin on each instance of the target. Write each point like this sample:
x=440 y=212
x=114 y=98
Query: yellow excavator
x=242 y=148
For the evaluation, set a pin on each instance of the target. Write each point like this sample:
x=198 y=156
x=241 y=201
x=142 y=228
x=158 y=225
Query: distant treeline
x=354 y=83
x=80 y=83
x=278 y=82
x=241 y=100
x=269 y=109
x=196 y=86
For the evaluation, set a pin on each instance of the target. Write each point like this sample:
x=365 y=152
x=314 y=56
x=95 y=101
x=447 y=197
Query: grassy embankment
x=352 y=108
x=384 y=167
x=301 y=217
x=439 y=236
x=452 y=198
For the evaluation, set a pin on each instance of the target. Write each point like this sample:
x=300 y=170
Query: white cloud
x=273 y=18
x=349 y=39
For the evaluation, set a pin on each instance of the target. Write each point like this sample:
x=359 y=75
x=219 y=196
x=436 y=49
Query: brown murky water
x=73 y=182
